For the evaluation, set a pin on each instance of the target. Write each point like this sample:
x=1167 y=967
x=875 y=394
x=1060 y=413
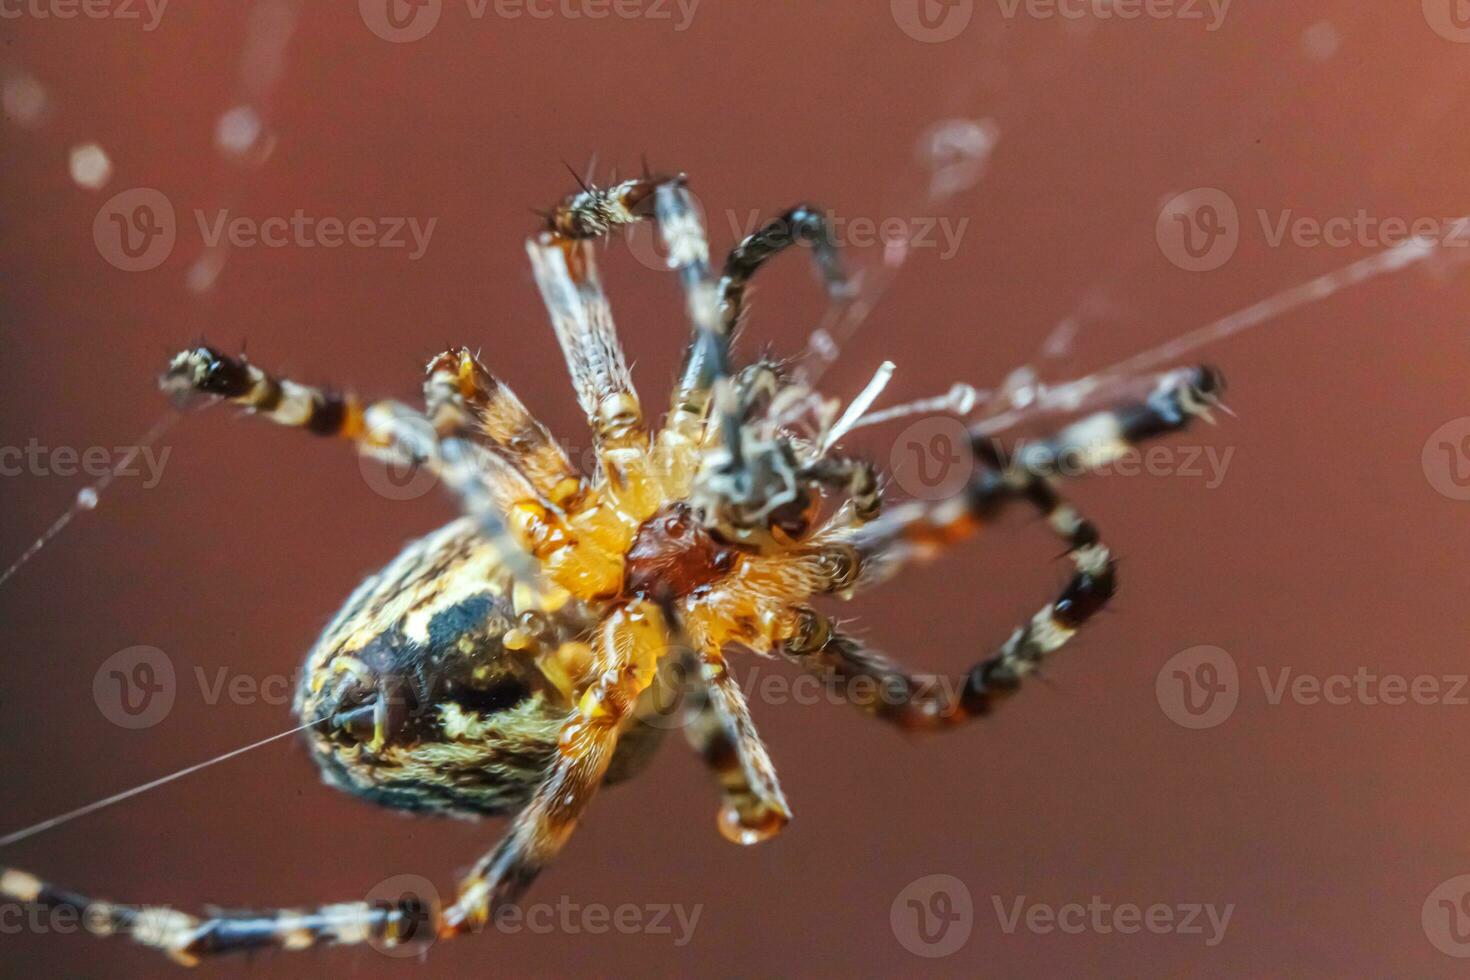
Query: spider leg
x=566 y=272
x=187 y=938
x=858 y=478
x=461 y=396
x=715 y=311
x=707 y=359
x=1178 y=398
x=627 y=648
x=386 y=430
x=486 y=490
x=891 y=693
x=803 y=224
x=720 y=729
x=630 y=643
x=920 y=529
x=925 y=702
x=206 y=371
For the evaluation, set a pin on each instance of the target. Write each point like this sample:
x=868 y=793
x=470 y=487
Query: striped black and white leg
x=707 y=359
x=927 y=702
x=187 y=939
x=800 y=225
x=920 y=529
x=386 y=430
x=1178 y=399
x=205 y=371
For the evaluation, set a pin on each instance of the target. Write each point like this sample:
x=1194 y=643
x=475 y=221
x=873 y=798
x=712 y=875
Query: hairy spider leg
x=721 y=731
x=187 y=938
x=627 y=648
x=386 y=430
x=462 y=396
x=803 y=224
x=921 y=529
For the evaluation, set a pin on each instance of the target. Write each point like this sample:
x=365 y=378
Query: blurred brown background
x=1324 y=548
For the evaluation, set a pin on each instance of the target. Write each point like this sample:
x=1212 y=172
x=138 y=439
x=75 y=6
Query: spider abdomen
x=429 y=692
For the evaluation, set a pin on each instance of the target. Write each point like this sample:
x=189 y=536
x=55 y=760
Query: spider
x=511 y=662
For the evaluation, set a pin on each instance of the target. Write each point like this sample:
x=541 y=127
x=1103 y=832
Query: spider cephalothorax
x=517 y=658
x=674 y=556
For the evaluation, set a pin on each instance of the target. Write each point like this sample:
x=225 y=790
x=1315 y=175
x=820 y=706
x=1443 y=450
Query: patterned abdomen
x=420 y=704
